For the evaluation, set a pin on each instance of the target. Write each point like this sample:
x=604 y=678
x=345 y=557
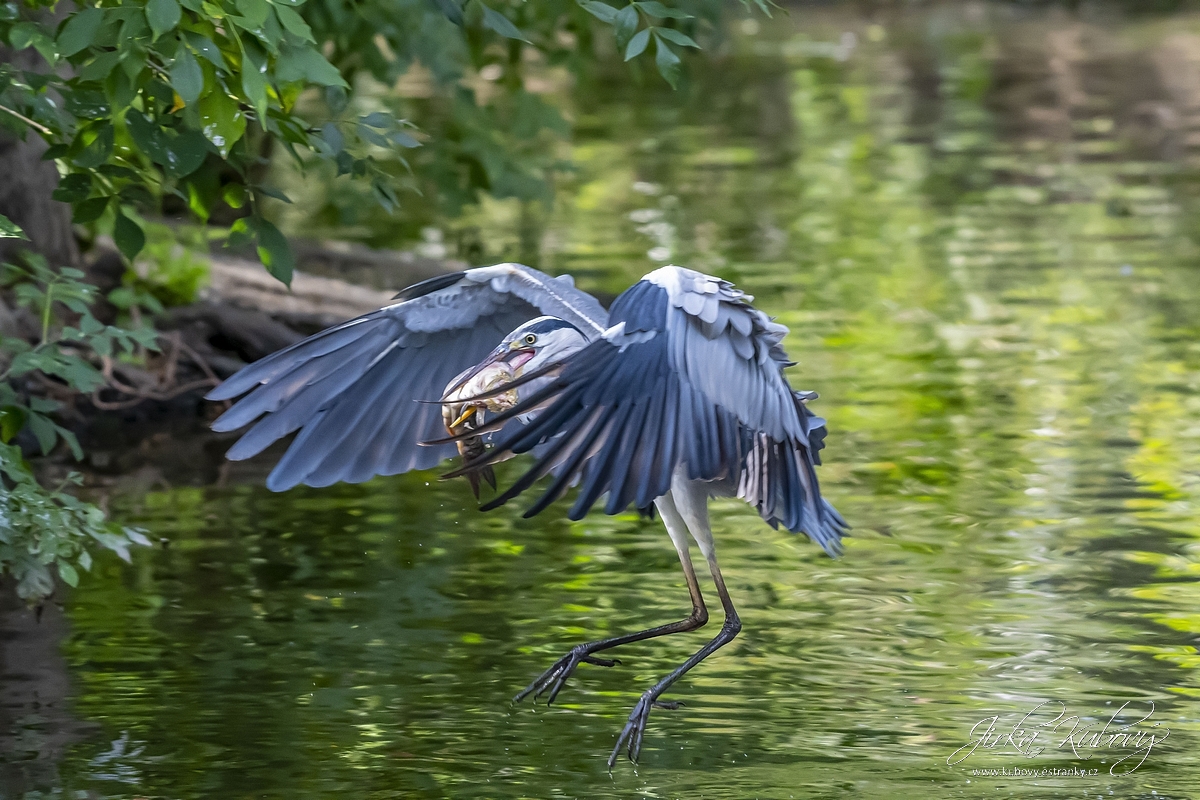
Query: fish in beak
x=513 y=356
x=460 y=413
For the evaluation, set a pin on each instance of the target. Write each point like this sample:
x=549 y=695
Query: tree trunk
x=26 y=182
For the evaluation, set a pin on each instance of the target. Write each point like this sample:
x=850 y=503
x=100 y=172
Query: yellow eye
x=530 y=338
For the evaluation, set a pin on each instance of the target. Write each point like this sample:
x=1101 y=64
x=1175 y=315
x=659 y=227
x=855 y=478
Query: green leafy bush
x=42 y=529
x=187 y=98
x=39 y=527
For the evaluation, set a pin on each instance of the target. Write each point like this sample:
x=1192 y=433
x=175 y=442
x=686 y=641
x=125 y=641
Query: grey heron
x=676 y=394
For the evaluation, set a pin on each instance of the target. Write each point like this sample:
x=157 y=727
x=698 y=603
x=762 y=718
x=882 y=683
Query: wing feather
x=354 y=391
x=689 y=376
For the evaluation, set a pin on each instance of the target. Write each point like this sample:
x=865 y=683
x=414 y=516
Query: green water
x=982 y=231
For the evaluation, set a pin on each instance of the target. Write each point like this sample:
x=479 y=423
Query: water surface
x=981 y=229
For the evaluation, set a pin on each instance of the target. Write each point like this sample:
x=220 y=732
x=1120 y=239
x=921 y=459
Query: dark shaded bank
x=148 y=425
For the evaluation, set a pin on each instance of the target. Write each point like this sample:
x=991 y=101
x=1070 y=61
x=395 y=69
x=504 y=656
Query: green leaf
x=403 y=139
x=128 y=235
x=186 y=76
x=90 y=324
x=98 y=68
x=637 y=44
x=274 y=252
x=601 y=11
x=385 y=195
x=207 y=50
x=121 y=89
x=163 y=15
x=254 y=79
x=87 y=103
x=271 y=191
x=72 y=442
x=674 y=36
x=86 y=211
x=668 y=63
x=98 y=150
x=73 y=188
x=186 y=152
x=133 y=28
x=43 y=429
x=306 y=64
x=241 y=232
x=85 y=560
x=44 y=405
x=23 y=34
x=332 y=137
x=765 y=6
x=68 y=573
x=294 y=23
x=452 y=10
x=626 y=25
x=374 y=137
x=31 y=34
x=79 y=31
x=234 y=195
x=271 y=34
x=657 y=9
x=10 y=230
x=137 y=536
x=147 y=135
x=221 y=121
x=12 y=419
x=255 y=11
x=378 y=119
x=494 y=20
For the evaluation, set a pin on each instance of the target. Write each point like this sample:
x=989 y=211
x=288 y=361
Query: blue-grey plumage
x=676 y=394
x=688 y=376
x=522 y=354
x=360 y=392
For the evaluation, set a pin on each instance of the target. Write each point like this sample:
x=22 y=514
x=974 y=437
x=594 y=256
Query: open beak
x=517 y=356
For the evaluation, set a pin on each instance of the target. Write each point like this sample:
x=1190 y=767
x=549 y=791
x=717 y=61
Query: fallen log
x=312 y=302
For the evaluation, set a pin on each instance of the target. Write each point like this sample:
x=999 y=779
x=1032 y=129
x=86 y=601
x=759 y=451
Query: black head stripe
x=553 y=324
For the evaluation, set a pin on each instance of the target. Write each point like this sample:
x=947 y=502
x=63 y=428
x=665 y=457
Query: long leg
x=692 y=502
x=555 y=678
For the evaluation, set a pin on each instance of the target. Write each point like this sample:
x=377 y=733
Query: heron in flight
x=674 y=395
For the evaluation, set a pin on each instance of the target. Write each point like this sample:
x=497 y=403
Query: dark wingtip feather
x=494 y=503
x=428 y=286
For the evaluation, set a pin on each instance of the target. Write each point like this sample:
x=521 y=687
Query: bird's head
x=541 y=341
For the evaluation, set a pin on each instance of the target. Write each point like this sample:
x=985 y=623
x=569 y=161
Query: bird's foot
x=635 y=726
x=555 y=678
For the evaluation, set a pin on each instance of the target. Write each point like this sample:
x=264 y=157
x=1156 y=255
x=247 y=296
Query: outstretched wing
x=355 y=391
x=689 y=376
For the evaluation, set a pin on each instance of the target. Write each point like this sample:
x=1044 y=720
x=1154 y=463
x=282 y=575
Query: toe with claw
x=555 y=678
x=635 y=726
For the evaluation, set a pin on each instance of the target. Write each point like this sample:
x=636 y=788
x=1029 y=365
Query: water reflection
x=980 y=230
